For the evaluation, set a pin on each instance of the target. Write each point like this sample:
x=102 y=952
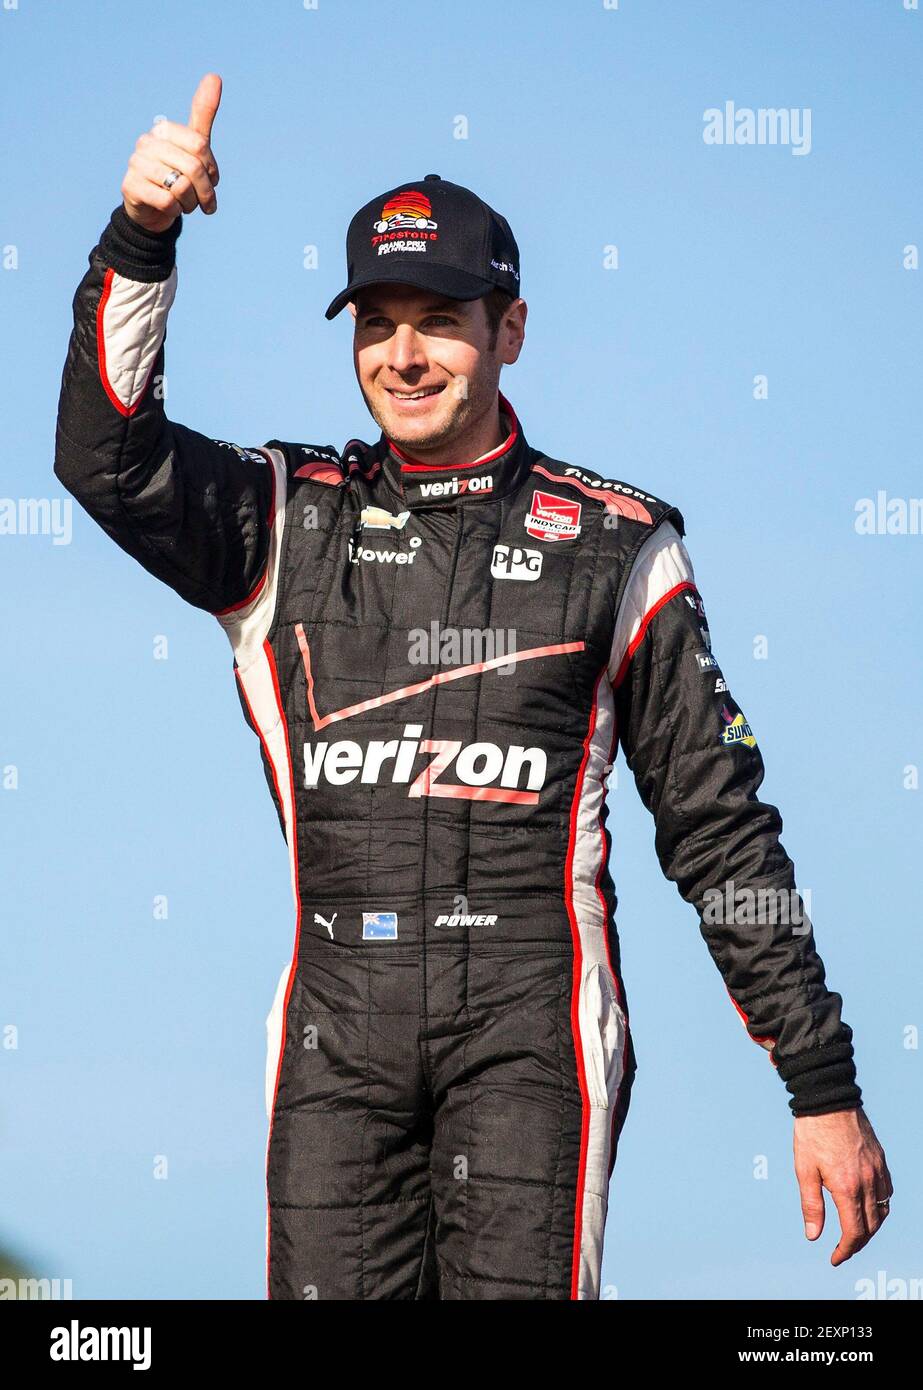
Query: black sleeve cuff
x=822 y=1081
x=136 y=253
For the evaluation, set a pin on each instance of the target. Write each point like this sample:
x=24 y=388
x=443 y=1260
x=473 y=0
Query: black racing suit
x=440 y=664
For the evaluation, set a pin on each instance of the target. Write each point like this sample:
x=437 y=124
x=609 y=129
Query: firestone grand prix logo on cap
x=406 y=223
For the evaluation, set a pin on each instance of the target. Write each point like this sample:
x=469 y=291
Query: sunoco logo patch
x=736 y=729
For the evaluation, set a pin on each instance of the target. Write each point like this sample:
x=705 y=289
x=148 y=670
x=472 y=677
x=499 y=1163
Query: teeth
x=416 y=395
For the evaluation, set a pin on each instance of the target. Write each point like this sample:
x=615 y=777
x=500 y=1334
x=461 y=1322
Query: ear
x=515 y=337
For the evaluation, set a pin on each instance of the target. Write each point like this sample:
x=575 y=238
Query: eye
x=382 y=321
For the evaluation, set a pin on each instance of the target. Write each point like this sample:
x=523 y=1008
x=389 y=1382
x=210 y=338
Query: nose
x=405 y=349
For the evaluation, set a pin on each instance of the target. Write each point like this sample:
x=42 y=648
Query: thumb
x=205 y=104
x=812 y=1204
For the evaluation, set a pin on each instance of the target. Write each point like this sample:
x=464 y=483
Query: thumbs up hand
x=181 y=156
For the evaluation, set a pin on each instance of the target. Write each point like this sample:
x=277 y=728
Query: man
x=440 y=639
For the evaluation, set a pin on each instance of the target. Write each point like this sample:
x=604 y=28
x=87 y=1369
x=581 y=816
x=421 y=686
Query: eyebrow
x=455 y=305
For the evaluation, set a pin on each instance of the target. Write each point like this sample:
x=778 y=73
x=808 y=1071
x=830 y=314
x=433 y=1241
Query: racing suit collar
x=495 y=474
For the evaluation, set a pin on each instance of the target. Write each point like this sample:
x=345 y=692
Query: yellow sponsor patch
x=737 y=730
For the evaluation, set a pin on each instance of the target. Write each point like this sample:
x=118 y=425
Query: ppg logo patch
x=515 y=562
x=379 y=926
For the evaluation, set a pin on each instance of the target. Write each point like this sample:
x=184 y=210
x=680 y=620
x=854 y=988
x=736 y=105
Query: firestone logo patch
x=553 y=518
x=607 y=484
x=406 y=223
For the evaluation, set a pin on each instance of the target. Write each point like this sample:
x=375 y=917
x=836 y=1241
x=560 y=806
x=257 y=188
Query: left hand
x=840 y=1152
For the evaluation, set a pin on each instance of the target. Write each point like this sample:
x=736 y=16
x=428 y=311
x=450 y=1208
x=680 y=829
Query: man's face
x=425 y=364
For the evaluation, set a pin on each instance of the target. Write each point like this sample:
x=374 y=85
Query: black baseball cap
x=434 y=234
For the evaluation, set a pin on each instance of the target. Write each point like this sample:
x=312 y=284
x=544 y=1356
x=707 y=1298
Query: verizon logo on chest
x=456 y=487
x=472 y=772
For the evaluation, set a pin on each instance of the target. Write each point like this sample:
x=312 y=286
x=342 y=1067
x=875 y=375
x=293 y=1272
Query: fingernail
x=811 y=1230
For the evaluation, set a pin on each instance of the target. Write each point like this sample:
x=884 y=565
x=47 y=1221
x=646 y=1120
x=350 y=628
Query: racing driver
x=440 y=639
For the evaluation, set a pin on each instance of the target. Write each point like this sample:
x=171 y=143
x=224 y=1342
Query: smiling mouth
x=418 y=395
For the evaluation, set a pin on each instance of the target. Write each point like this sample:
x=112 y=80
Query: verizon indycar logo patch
x=553 y=518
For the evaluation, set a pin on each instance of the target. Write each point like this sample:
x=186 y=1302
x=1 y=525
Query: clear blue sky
x=139 y=1037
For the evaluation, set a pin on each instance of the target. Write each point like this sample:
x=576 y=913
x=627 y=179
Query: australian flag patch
x=379 y=926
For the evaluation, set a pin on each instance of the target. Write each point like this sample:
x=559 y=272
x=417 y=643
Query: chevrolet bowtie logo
x=379 y=519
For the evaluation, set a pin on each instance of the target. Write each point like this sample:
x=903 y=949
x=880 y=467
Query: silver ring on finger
x=883 y=1202
x=171 y=178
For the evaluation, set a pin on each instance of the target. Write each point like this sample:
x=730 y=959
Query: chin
x=435 y=423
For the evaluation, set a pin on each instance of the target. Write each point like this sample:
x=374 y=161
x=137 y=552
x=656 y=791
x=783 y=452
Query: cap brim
x=441 y=279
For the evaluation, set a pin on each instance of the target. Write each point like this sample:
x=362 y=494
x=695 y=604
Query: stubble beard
x=466 y=409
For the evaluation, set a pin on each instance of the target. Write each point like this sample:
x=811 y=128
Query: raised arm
x=195 y=512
